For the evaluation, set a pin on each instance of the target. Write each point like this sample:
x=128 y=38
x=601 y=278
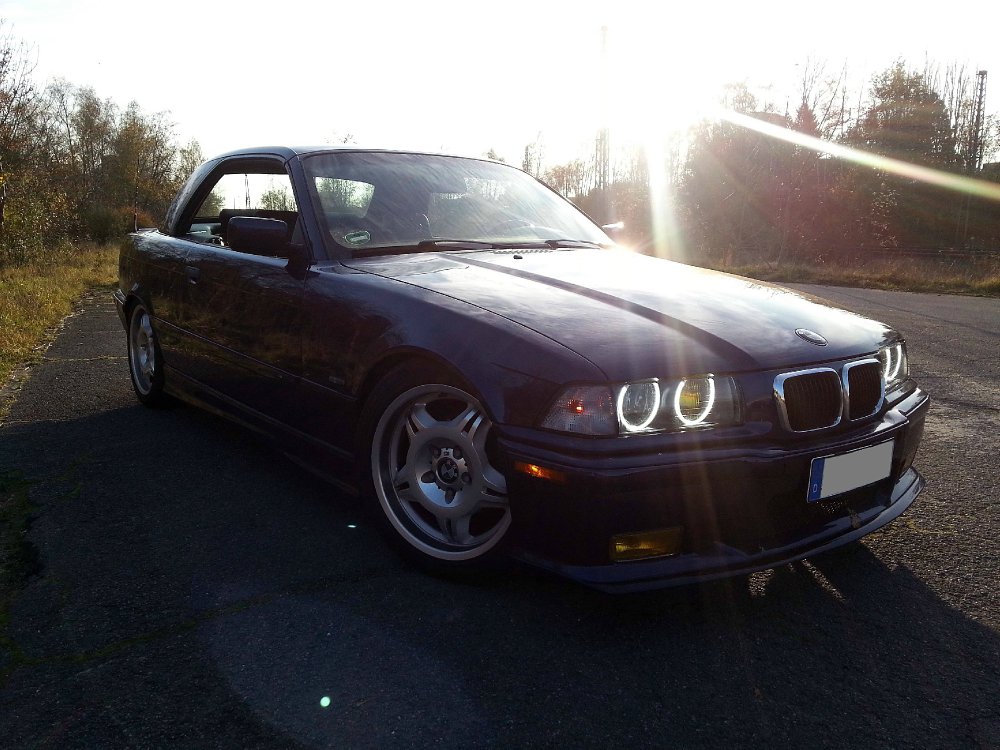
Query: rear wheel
x=144 y=358
x=432 y=470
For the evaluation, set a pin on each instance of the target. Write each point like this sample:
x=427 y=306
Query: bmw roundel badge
x=811 y=336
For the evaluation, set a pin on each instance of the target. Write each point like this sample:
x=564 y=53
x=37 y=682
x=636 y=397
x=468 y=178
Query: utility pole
x=974 y=160
x=602 y=157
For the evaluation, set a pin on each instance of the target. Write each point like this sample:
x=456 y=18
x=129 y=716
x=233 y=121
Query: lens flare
x=958 y=183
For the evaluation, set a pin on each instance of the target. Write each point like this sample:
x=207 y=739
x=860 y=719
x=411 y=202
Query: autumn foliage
x=74 y=166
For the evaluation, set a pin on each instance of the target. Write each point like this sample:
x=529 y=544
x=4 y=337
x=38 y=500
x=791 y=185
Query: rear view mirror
x=251 y=234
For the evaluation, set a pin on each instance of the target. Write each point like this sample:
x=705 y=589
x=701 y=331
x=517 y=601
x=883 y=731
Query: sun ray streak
x=667 y=239
x=958 y=183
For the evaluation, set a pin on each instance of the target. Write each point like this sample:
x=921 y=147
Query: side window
x=267 y=192
x=246 y=191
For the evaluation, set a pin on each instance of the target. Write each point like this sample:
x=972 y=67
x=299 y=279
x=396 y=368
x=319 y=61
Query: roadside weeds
x=36 y=297
x=978 y=277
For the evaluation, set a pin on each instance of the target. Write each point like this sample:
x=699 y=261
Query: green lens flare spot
x=324 y=701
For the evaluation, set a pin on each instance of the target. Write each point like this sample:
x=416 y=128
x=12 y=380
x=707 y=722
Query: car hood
x=637 y=316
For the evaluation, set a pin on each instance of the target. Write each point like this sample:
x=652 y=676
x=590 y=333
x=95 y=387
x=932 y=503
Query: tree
x=906 y=120
x=569 y=178
x=18 y=113
x=533 y=156
x=825 y=98
x=736 y=188
x=189 y=158
x=277 y=198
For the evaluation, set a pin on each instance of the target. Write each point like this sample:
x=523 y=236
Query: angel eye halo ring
x=639 y=407
x=694 y=400
x=638 y=404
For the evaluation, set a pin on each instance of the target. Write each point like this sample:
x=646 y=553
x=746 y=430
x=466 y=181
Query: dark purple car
x=474 y=355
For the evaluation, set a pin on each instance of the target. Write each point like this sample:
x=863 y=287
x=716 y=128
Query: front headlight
x=895 y=367
x=646 y=406
x=583 y=409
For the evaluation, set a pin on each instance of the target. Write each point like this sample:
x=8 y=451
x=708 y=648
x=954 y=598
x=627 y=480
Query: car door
x=242 y=308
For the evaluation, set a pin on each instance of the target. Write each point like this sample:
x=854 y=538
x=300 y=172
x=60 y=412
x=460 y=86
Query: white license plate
x=833 y=475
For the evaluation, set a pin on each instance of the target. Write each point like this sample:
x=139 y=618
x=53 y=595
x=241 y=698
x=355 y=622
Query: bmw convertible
x=478 y=360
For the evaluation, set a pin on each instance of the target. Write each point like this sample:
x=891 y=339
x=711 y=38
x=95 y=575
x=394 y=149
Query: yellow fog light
x=656 y=543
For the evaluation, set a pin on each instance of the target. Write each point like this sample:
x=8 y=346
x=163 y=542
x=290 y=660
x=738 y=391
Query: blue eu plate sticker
x=816 y=480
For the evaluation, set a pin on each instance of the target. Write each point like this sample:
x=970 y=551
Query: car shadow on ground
x=191 y=576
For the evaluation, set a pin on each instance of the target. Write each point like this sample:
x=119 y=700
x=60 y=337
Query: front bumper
x=119 y=298
x=740 y=509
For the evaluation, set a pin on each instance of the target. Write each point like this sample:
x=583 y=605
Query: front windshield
x=371 y=200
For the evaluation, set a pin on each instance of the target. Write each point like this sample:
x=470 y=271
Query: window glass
x=344 y=196
x=367 y=199
x=254 y=191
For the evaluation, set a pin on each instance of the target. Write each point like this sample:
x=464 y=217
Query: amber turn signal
x=539 y=472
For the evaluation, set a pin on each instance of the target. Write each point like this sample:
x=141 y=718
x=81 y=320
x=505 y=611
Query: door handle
x=193 y=274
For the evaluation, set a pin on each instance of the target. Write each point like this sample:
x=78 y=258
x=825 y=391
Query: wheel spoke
x=418 y=418
x=404 y=483
x=479 y=436
x=444 y=526
x=469 y=422
x=494 y=483
x=460 y=530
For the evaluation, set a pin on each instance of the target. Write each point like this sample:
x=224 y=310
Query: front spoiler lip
x=700 y=568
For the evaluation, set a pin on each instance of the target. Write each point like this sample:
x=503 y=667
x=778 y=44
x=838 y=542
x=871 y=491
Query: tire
x=145 y=362
x=427 y=441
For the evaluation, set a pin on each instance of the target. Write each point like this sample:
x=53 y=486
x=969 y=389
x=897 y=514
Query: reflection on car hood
x=632 y=314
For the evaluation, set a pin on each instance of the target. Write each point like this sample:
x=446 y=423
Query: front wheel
x=433 y=473
x=145 y=363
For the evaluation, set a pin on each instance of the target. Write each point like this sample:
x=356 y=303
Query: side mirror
x=251 y=234
x=613 y=230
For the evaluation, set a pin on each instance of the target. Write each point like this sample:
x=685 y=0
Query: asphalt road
x=196 y=589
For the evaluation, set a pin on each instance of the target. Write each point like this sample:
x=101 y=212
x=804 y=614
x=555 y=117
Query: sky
x=465 y=77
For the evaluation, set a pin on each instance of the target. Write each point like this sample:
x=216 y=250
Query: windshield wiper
x=574 y=243
x=443 y=244
x=552 y=244
x=424 y=246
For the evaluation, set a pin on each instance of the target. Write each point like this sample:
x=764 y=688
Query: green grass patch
x=34 y=297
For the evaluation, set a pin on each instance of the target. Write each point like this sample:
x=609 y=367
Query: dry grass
x=36 y=296
x=979 y=276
